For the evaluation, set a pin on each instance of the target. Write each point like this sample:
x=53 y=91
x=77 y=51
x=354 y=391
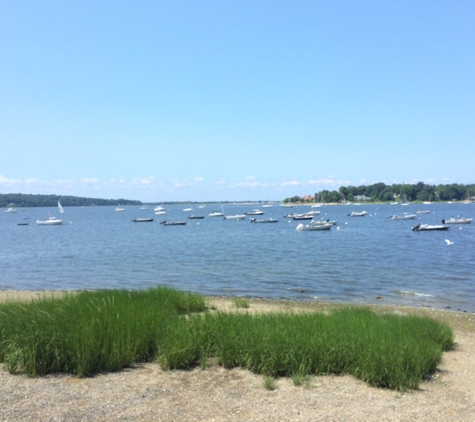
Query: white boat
x=404 y=200
x=405 y=216
x=11 y=210
x=322 y=222
x=188 y=209
x=313 y=212
x=312 y=227
x=428 y=227
x=454 y=220
x=357 y=214
x=119 y=209
x=235 y=217
x=161 y=212
x=158 y=208
x=60 y=208
x=254 y=212
x=52 y=221
x=216 y=214
x=423 y=212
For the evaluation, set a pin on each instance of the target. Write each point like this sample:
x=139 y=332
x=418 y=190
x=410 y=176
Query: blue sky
x=234 y=100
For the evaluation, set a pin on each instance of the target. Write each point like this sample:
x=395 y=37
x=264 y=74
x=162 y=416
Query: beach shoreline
x=149 y=393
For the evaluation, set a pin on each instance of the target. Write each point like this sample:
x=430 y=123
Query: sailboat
x=60 y=208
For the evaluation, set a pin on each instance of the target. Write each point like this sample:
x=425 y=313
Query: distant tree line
x=380 y=192
x=27 y=200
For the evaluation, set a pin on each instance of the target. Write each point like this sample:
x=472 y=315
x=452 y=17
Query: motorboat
x=119 y=209
x=322 y=222
x=423 y=212
x=313 y=212
x=266 y=220
x=11 y=210
x=454 y=220
x=216 y=214
x=428 y=227
x=142 y=220
x=254 y=212
x=51 y=221
x=357 y=214
x=405 y=216
x=196 y=217
x=161 y=212
x=158 y=208
x=235 y=217
x=174 y=223
x=312 y=227
x=302 y=217
x=187 y=209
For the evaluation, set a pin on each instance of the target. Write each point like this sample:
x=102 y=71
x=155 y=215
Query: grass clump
x=90 y=332
x=241 y=302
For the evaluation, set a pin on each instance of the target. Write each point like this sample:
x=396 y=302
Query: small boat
x=174 y=223
x=313 y=212
x=302 y=217
x=11 y=210
x=322 y=222
x=187 y=209
x=216 y=214
x=423 y=212
x=60 y=208
x=196 y=217
x=254 y=212
x=235 y=217
x=24 y=222
x=161 y=212
x=428 y=227
x=405 y=216
x=118 y=209
x=158 y=208
x=312 y=227
x=357 y=214
x=52 y=221
x=454 y=220
x=267 y=220
x=143 y=207
x=142 y=220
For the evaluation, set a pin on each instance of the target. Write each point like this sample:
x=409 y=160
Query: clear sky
x=234 y=100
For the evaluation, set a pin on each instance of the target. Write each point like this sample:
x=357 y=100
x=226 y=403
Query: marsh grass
x=241 y=302
x=91 y=332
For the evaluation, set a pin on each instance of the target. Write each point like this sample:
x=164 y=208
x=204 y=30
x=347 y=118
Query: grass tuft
x=241 y=302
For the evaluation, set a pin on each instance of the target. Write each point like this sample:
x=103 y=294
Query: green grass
x=241 y=302
x=91 y=332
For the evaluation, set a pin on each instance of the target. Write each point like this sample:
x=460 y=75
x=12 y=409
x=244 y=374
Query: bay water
x=362 y=260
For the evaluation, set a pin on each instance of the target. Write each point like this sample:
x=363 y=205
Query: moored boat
x=454 y=220
x=429 y=227
x=254 y=212
x=52 y=221
x=313 y=227
x=196 y=217
x=235 y=217
x=266 y=220
x=357 y=214
x=405 y=216
x=142 y=220
x=174 y=223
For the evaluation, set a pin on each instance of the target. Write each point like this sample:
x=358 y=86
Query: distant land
x=378 y=192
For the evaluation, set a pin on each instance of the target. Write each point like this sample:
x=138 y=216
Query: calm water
x=366 y=258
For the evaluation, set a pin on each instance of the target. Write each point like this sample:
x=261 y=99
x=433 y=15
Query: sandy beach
x=216 y=394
